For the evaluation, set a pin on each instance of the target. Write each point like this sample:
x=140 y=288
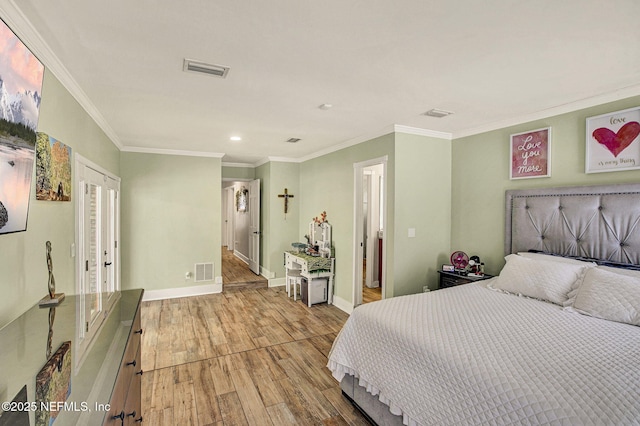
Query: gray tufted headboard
x=600 y=222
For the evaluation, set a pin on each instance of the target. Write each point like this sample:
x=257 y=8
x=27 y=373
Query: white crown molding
x=21 y=26
x=244 y=165
x=617 y=95
x=142 y=150
x=422 y=132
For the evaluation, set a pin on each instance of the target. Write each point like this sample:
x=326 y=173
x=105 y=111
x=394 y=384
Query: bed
x=554 y=339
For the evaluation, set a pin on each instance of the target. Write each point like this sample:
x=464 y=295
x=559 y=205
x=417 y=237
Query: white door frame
x=254 y=226
x=358 y=223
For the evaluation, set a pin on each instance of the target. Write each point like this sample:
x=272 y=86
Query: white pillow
x=608 y=295
x=540 y=279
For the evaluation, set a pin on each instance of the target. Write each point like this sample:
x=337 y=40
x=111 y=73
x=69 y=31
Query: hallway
x=236 y=274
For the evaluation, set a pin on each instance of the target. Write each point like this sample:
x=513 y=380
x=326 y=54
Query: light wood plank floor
x=236 y=273
x=242 y=357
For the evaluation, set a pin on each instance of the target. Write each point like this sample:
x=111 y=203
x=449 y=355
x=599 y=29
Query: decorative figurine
x=52 y=299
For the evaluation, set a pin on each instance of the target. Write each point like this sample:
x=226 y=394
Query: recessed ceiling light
x=325 y=106
x=235 y=138
x=439 y=113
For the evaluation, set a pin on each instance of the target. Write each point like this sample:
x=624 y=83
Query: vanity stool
x=293 y=278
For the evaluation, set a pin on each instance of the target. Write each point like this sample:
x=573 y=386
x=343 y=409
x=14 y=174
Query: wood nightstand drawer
x=451 y=279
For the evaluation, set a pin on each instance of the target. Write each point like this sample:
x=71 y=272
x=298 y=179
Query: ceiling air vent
x=293 y=140
x=439 y=113
x=203 y=68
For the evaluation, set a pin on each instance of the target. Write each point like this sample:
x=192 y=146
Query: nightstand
x=451 y=279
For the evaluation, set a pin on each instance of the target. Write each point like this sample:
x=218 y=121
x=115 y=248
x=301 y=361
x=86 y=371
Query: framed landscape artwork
x=612 y=141
x=530 y=154
x=53 y=169
x=21 y=76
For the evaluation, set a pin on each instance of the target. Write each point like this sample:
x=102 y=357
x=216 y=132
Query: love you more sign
x=613 y=142
x=530 y=154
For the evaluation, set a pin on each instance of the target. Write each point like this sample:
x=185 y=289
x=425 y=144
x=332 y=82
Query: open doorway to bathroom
x=369 y=225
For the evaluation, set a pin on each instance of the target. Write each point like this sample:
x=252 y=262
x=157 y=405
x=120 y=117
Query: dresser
x=105 y=388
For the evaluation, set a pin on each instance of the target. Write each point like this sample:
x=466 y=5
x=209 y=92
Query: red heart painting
x=617 y=142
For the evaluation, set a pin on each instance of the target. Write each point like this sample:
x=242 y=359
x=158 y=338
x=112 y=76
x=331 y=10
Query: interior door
x=254 y=226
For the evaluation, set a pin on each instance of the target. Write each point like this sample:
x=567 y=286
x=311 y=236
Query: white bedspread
x=469 y=355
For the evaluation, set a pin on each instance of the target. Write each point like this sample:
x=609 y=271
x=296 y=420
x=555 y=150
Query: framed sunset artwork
x=531 y=154
x=613 y=142
x=21 y=76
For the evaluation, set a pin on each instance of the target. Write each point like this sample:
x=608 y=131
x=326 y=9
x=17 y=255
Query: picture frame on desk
x=448 y=268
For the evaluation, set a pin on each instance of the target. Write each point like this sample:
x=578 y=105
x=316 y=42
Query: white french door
x=97 y=252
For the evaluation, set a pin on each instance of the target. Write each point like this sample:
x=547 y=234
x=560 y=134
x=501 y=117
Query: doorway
x=97 y=253
x=241 y=234
x=369 y=226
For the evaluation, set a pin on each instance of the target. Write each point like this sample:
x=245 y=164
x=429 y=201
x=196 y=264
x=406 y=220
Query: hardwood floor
x=236 y=273
x=242 y=357
x=369 y=294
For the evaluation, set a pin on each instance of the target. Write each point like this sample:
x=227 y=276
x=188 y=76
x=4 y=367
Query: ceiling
x=378 y=63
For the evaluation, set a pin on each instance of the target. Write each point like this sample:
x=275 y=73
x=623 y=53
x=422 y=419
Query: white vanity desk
x=309 y=267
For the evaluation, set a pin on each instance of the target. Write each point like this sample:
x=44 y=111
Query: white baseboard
x=172 y=293
x=342 y=304
x=241 y=256
x=277 y=282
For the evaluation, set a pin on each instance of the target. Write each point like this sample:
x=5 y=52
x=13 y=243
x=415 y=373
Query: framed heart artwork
x=613 y=141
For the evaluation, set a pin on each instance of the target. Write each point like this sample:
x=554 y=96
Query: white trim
x=358 y=255
x=20 y=25
x=241 y=256
x=342 y=304
x=277 y=282
x=96 y=167
x=267 y=273
x=625 y=92
x=243 y=165
x=173 y=293
x=163 y=151
x=422 y=132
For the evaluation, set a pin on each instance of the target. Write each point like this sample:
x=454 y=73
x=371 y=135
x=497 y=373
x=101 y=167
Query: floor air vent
x=204 y=272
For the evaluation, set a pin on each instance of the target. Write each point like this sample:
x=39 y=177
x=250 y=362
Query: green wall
x=238 y=173
x=480 y=176
x=278 y=230
x=171 y=208
x=326 y=184
x=23 y=263
x=422 y=202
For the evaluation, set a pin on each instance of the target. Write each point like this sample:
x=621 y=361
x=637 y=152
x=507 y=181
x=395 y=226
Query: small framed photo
x=448 y=268
x=612 y=141
x=531 y=154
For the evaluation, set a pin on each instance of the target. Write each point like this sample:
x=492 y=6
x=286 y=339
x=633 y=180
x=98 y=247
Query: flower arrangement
x=322 y=219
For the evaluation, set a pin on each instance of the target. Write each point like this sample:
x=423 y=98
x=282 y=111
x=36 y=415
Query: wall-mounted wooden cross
x=286 y=197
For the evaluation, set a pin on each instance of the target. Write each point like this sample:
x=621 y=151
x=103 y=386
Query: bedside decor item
x=53 y=169
x=242 y=204
x=459 y=260
x=52 y=299
x=21 y=80
x=530 y=154
x=612 y=141
x=53 y=384
x=448 y=268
